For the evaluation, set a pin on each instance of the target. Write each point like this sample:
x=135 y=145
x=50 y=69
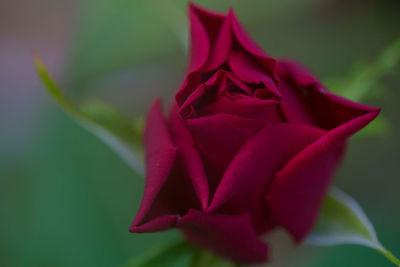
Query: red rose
x=250 y=143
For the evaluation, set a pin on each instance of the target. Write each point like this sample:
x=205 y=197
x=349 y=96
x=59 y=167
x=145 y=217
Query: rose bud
x=250 y=144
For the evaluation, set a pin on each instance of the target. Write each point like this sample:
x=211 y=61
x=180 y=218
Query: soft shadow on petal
x=190 y=155
x=168 y=192
x=297 y=191
x=231 y=236
x=245 y=181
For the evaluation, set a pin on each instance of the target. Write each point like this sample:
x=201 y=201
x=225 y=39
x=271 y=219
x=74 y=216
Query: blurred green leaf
x=342 y=221
x=180 y=253
x=366 y=82
x=174 y=254
x=366 y=78
x=121 y=134
x=204 y=258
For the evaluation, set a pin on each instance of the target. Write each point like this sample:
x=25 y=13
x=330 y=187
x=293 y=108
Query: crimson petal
x=231 y=236
x=161 y=154
x=250 y=46
x=251 y=171
x=218 y=137
x=190 y=156
x=248 y=71
x=297 y=191
x=306 y=100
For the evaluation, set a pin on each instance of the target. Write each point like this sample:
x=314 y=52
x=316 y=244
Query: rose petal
x=201 y=91
x=161 y=202
x=218 y=137
x=204 y=28
x=297 y=191
x=246 y=179
x=160 y=157
x=190 y=155
x=243 y=66
x=231 y=236
x=250 y=46
x=220 y=49
x=306 y=100
x=210 y=99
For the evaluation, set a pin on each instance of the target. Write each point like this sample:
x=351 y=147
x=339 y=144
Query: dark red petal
x=218 y=137
x=204 y=28
x=247 y=70
x=160 y=157
x=246 y=179
x=190 y=155
x=210 y=98
x=250 y=46
x=220 y=49
x=295 y=109
x=243 y=37
x=306 y=100
x=231 y=236
x=297 y=191
x=200 y=92
x=266 y=110
x=200 y=41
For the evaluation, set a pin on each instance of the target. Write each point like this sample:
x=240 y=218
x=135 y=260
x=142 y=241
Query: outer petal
x=168 y=192
x=160 y=158
x=204 y=27
x=247 y=178
x=190 y=155
x=306 y=100
x=221 y=47
x=297 y=191
x=231 y=236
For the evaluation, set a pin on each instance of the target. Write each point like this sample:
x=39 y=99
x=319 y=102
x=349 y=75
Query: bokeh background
x=67 y=200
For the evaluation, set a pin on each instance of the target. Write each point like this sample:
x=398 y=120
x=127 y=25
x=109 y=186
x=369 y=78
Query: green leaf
x=121 y=134
x=366 y=78
x=204 y=258
x=180 y=253
x=175 y=254
x=342 y=221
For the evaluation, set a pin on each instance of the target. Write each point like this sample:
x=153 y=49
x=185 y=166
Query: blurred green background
x=67 y=200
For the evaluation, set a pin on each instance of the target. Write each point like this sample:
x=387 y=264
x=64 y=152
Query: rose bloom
x=250 y=144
